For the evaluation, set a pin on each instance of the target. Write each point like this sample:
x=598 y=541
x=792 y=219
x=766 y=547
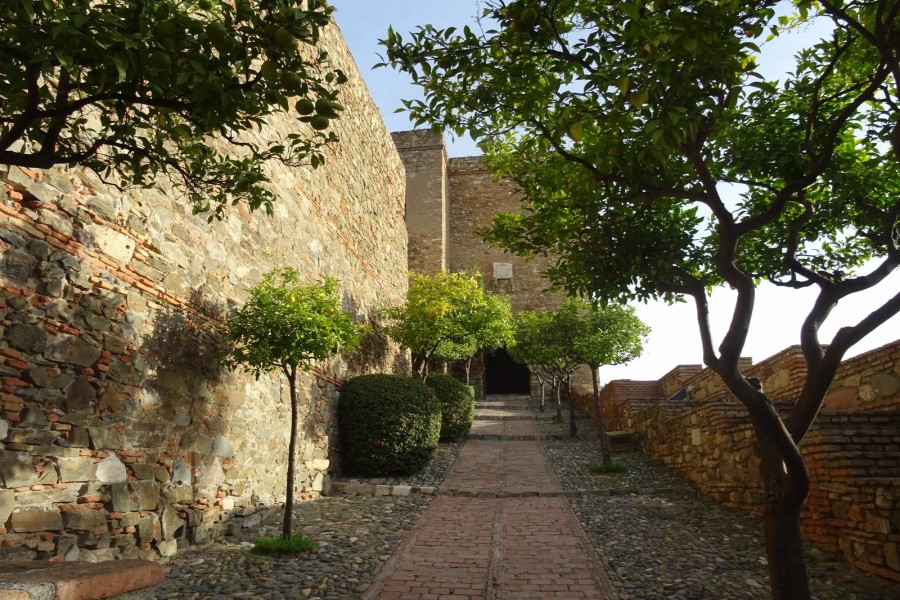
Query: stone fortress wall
x=120 y=435
x=852 y=450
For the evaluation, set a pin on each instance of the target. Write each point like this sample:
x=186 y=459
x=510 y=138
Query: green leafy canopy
x=449 y=316
x=135 y=89
x=577 y=333
x=656 y=161
x=632 y=117
x=288 y=324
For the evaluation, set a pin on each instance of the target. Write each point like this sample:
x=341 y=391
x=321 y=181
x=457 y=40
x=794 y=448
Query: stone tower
x=447 y=201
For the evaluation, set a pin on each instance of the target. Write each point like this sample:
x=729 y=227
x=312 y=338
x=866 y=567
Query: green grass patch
x=612 y=468
x=275 y=545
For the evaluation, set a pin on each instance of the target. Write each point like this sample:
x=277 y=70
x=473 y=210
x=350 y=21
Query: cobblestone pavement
x=654 y=534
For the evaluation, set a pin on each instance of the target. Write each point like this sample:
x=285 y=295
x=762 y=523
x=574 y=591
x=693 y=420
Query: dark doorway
x=503 y=375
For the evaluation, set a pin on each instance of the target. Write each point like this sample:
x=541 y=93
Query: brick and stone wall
x=475 y=197
x=852 y=450
x=120 y=435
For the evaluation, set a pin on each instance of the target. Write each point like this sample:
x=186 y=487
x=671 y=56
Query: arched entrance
x=503 y=375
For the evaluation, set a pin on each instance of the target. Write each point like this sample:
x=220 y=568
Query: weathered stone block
x=103 y=438
x=401 y=490
x=79 y=437
x=147 y=494
x=31 y=519
x=111 y=470
x=27 y=337
x=892 y=556
x=876 y=523
x=120 y=497
x=207 y=532
x=32 y=437
x=4 y=429
x=33 y=418
x=162 y=474
x=182 y=473
x=7 y=504
x=17 y=469
x=167 y=548
x=74 y=350
x=319 y=464
x=130 y=519
x=179 y=494
x=150 y=529
x=47 y=497
x=17 y=265
x=113 y=398
x=79 y=468
x=116 y=245
x=885 y=385
x=80 y=395
x=222 y=447
x=86 y=520
x=194 y=516
x=55 y=451
x=142 y=471
x=171 y=523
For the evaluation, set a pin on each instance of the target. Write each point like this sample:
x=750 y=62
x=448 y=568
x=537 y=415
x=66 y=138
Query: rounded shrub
x=457 y=405
x=389 y=425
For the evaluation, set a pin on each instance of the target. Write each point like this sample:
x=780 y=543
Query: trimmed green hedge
x=457 y=405
x=389 y=425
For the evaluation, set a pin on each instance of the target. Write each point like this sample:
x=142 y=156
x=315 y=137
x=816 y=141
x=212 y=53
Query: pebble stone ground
x=653 y=533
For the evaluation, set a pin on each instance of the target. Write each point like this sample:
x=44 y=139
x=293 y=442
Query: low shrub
x=457 y=405
x=389 y=425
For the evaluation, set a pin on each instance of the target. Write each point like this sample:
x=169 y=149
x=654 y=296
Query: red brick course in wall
x=852 y=450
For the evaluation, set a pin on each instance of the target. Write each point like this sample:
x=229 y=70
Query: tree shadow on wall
x=372 y=353
x=186 y=350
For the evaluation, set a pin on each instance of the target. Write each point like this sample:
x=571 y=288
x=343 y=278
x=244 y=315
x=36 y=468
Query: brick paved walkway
x=500 y=528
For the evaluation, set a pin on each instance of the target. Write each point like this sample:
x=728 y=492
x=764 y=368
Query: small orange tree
x=287 y=325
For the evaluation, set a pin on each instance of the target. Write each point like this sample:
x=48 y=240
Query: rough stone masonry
x=120 y=435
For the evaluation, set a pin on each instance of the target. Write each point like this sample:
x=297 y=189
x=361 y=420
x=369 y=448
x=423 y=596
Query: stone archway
x=503 y=375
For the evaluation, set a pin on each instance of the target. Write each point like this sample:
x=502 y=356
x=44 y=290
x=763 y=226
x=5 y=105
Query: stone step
x=129 y=579
x=579 y=493
x=495 y=437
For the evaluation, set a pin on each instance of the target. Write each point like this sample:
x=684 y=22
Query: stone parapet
x=852 y=451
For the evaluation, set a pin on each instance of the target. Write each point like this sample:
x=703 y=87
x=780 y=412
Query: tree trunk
x=557 y=391
x=292 y=451
x=605 y=448
x=573 y=426
x=781 y=525
x=468 y=368
x=419 y=364
x=541 y=381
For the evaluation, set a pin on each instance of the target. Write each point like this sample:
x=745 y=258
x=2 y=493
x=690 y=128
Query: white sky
x=674 y=339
